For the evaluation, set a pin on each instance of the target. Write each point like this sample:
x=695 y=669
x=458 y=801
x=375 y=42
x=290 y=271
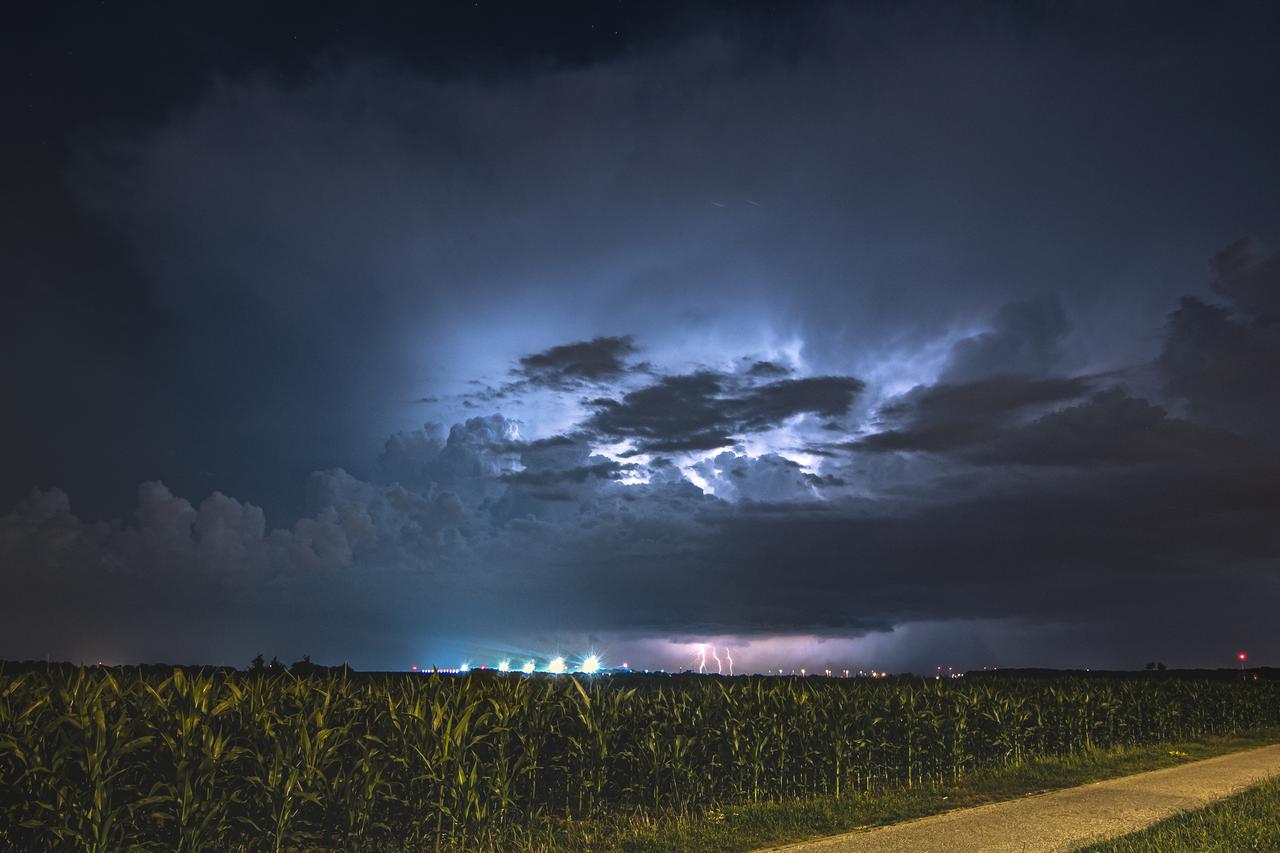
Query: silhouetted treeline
x=306 y=666
x=274 y=667
x=1268 y=673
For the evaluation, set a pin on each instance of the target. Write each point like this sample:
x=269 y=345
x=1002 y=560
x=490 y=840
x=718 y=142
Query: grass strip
x=752 y=826
x=1246 y=821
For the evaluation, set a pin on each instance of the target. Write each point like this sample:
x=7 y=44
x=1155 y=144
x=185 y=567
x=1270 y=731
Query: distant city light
x=528 y=668
x=504 y=666
x=590 y=664
x=466 y=667
x=556 y=667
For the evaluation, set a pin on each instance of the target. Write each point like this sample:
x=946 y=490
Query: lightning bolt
x=730 y=657
x=702 y=659
x=719 y=666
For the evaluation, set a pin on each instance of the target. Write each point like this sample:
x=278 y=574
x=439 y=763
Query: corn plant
x=98 y=759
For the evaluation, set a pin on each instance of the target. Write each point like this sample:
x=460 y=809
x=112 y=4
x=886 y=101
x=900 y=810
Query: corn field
x=104 y=760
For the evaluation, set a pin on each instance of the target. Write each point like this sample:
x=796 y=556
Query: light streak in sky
x=701 y=652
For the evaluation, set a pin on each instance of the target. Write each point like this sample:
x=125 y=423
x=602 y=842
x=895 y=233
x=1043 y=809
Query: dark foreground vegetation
x=112 y=759
x=1248 y=821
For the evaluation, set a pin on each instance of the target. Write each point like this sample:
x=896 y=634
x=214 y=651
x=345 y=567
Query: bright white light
x=528 y=667
x=556 y=666
x=590 y=664
x=504 y=666
x=694 y=477
x=624 y=452
x=466 y=667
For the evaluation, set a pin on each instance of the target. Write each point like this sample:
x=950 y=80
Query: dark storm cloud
x=824 y=396
x=707 y=410
x=768 y=369
x=1223 y=361
x=1025 y=337
x=1114 y=535
x=568 y=365
x=478 y=510
x=1003 y=421
x=826 y=481
x=543 y=531
x=306 y=252
x=676 y=413
x=1113 y=428
x=948 y=416
x=954 y=203
x=606 y=470
x=1248 y=274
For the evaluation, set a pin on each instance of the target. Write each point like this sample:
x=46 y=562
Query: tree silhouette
x=304 y=666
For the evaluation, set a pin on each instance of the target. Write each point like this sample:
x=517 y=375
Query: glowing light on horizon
x=504 y=666
x=466 y=667
x=590 y=664
x=556 y=667
x=529 y=667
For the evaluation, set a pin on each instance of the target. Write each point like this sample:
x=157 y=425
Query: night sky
x=884 y=335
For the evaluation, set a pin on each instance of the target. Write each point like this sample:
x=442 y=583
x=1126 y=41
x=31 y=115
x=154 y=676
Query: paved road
x=1067 y=819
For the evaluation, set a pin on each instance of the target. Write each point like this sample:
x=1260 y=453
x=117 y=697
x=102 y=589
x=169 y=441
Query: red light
x=1242 y=656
